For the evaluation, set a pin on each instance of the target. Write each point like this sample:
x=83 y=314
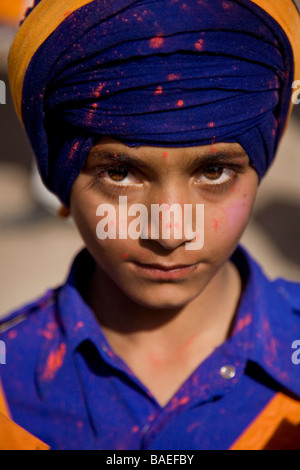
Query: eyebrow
x=219 y=156
x=116 y=157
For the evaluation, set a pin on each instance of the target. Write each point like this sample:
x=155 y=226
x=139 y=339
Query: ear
x=63 y=212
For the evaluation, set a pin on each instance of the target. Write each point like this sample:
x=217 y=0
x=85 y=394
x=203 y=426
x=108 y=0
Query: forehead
x=163 y=157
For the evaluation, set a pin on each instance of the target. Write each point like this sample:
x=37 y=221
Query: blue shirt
x=65 y=384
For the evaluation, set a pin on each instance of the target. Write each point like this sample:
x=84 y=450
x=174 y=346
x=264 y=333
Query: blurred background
x=37 y=248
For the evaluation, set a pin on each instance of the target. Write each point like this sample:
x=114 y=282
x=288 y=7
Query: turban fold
x=167 y=73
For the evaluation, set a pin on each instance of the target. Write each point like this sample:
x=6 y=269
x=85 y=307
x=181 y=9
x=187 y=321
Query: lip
x=159 y=271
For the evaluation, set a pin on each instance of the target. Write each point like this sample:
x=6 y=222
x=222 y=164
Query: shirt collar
x=264 y=330
x=78 y=324
x=271 y=309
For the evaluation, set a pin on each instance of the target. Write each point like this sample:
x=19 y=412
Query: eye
x=118 y=175
x=215 y=175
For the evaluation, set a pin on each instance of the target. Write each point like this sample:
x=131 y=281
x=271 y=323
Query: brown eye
x=213 y=172
x=215 y=175
x=118 y=174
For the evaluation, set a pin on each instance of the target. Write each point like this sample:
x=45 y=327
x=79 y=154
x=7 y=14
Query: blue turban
x=152 y=72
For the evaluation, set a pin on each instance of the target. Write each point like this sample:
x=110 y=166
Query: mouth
x=167 y=272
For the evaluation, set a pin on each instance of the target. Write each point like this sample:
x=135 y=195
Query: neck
x=207 y=316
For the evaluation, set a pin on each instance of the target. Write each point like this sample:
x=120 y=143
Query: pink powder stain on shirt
x=50 y=330
x=180 y=103
x=184 y=400
x=211 y=124
x=54 y=362
x=79 y=325
x=12 y=334
x=135 y=429
x=243 y=323
x=192 y=427
x=158 y=90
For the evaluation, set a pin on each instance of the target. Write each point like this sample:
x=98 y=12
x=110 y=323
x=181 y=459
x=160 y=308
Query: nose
x=172 y=221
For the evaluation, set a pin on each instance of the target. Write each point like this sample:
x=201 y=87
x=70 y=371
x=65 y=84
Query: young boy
x=166 y=334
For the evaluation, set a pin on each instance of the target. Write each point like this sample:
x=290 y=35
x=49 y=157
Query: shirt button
x=228 y=372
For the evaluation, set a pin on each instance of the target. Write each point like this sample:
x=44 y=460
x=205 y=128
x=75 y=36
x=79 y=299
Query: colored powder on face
x=125 y=256
x=235 y=211
x=216 y=224
x=165 y=154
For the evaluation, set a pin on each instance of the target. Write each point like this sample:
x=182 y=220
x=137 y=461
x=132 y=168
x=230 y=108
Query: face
x=158 y=271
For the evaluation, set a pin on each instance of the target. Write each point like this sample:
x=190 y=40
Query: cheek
x=229 y=221
x=107 y=251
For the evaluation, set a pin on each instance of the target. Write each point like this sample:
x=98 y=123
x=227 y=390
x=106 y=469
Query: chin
x=163 y=298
